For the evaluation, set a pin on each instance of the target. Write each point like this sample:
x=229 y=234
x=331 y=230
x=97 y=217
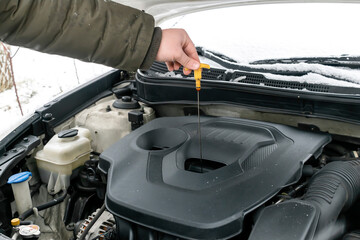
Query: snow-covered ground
x=246 y=33
x=40 y=78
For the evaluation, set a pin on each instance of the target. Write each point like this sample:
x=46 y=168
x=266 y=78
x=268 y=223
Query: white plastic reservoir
x=107 y=123
x=64 y=153
x=20 y=186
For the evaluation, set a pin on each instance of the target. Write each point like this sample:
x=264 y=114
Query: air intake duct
x=331 y=191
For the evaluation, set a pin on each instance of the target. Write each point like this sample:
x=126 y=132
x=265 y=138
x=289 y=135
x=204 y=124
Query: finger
x=177 y=65
x=190 y=50
x=186 y=71
x=187 y=62
x=170 y=66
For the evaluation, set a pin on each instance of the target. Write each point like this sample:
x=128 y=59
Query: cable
x=51 y=203
x=96 y=217
x=35 y=188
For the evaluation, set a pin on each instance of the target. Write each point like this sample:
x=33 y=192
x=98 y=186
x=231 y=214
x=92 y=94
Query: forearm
x=90 y=30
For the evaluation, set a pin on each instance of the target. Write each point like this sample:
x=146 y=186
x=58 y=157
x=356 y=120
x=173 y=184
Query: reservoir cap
x=126 y=102
x=68 y=133
x=19 y=177
x=15 y=222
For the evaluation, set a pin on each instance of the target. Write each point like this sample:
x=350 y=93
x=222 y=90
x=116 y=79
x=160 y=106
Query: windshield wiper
x=257 y=67
x=344 y=61
x=230 y=63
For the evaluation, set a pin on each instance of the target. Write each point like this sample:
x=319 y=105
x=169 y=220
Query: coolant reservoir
x=64 y=153
x=108 y=120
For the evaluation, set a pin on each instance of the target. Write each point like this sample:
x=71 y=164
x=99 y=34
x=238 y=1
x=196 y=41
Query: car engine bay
x=124 y=168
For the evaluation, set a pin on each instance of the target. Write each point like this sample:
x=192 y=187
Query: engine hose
x=343 y=158
x=337 y=148
x=88 y=227
x=51 y=203
x=26 y=222
x=333 y=190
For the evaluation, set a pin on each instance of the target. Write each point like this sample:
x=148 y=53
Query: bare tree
x=6 y=81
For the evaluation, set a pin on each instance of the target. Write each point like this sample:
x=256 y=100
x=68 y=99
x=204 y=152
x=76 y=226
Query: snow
x=344 y=75
x=348 y=75
x=229 y=71
x=249 y=33
x=169 y=74
x=245 y=33
x=40 y=78
x=310 y=78
x=318 y=74
x=238 y=79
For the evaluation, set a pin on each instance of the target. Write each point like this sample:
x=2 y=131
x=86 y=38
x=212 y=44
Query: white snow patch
x=312 y=78
x=211 y=63
x=238 y=79
x=350 y=75
x=169 y=74
x=229 y=71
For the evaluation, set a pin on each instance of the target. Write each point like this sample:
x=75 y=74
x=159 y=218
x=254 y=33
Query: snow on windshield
x=250 y=33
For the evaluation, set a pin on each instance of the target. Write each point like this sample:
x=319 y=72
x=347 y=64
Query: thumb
x=188 y=62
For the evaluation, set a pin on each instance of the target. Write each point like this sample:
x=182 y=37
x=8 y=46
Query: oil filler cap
x=19 y=177
x=126 y=102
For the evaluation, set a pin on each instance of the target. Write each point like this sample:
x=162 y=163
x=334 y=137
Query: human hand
x=176 y=49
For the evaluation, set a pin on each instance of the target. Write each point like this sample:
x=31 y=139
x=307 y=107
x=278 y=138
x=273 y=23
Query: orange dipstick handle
x=197 y=75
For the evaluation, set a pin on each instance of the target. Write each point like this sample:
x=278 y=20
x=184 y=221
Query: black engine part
x=154 y=178
x=5 y=214
x=352 y=236
x=334 y=189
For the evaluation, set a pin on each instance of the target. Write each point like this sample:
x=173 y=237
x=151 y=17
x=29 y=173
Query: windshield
x=305 y=31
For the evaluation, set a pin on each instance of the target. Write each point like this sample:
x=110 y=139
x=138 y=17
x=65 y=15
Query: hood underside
x=166 y=9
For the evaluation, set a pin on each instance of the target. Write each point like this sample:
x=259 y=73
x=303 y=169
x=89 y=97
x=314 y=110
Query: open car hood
x=166 y=9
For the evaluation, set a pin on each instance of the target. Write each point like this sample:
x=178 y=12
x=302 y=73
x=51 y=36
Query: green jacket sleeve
x=90 y=30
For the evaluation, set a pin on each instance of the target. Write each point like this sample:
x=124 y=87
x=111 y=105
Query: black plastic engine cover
x=150 y=182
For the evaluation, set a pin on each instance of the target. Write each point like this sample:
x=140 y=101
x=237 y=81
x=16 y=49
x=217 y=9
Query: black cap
x=68 y=133
x=126 y=102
